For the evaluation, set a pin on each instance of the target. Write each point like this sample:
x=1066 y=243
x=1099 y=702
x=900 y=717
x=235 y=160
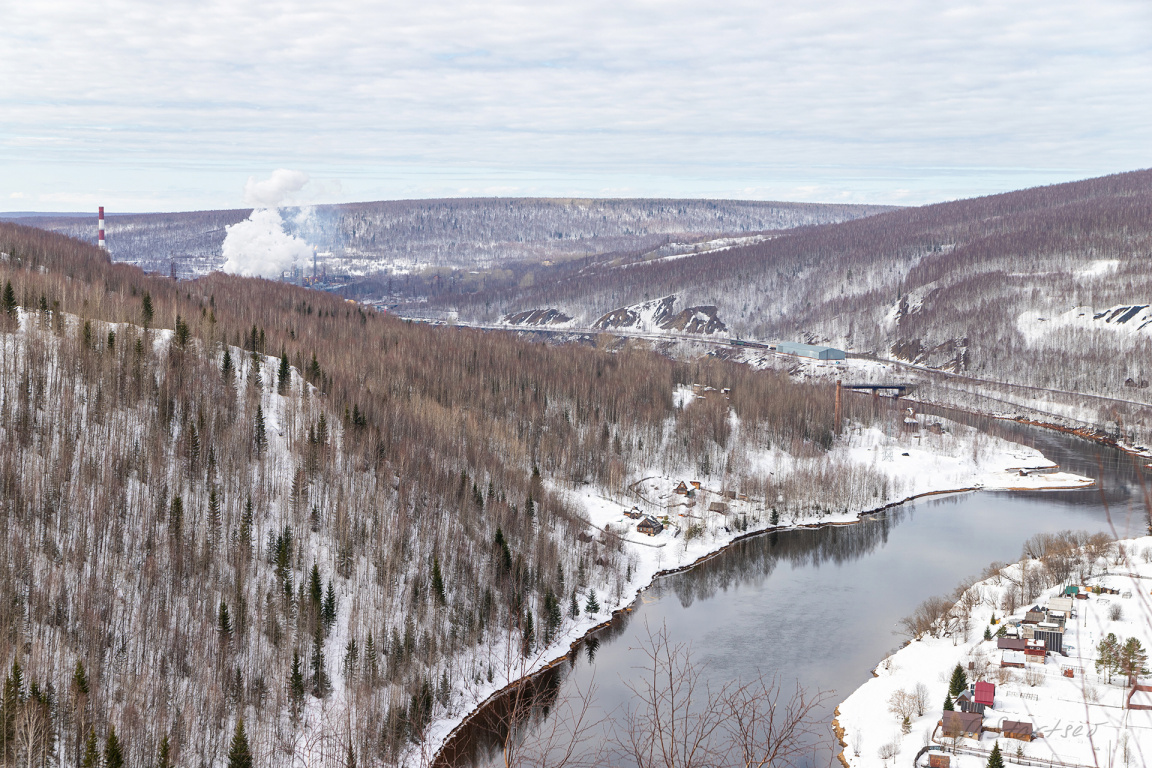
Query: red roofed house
x=985 y=695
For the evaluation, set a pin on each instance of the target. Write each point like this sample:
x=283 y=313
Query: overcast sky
x=171 y=106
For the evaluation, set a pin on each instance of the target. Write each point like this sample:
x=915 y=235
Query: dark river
x=820 y=606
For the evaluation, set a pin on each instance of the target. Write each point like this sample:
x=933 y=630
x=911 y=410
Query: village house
x=936 y=760
x=1012 y=660
x=962 y=724
x=634 y=513
x=718 y=506
x=1052 y=634
x=650 y=526
x=1015 y=729
x=985 y=694
x=982 y=695
x=1036 y=651
x=681 y=489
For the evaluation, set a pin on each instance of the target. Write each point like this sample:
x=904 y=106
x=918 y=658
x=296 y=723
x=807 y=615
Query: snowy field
x=1078 y=713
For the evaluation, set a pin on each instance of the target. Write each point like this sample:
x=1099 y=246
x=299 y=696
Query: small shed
x=634 y=513
x=696 y=484
x=936 y=760
x=962 y=724
x=966 y=703
x=718 y=506
x=1016 y=729
x=1063 y=604
x=650 y=526
x=1012 y=659
x=1035 y=613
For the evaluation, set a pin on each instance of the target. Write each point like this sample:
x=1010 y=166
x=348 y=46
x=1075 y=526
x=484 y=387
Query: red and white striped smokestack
x=100 y=239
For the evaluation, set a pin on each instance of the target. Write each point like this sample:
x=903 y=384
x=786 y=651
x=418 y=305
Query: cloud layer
x=826 y=100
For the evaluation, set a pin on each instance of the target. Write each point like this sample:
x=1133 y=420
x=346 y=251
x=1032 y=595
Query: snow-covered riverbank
x=700 y=521
x=1078 y=712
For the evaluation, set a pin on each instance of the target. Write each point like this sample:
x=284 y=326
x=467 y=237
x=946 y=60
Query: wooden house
x=634 y=513
x=650 y=526
x=965 y=703
x=718 y=506
x=681 y=489
x=1035 y=614
x=1012 y=659
x=1036 y=651
x=696 y=485
x=1015 y=729
x=962 y=724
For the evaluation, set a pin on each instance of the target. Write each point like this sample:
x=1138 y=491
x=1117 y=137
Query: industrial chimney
x=100 y=224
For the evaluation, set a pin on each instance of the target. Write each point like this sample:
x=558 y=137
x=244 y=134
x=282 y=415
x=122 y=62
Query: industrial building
x=809 y=350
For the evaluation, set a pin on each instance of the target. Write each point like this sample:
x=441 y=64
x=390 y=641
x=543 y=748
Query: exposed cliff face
x=537 y=317
x=661 y=315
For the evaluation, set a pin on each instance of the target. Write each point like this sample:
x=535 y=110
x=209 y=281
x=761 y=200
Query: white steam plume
x=275 y=190
x=259 y=246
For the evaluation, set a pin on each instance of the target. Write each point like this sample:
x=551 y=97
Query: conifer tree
x=146 y=309
x=284 y=375
x=10 y=304
x=948 y=705
x=529 y=634
x=244 y=540
x=213 y=514
x=329 y=607
x=224 y=623
x=226 y=369
x=987 y=633
x=259 y=438
x=9 y=706
x=959 y=682
x=438 y=582
x=91 y=757
x=349 y=753
x=319 y=676
x=371 y=661
x=573 y=605
x=592 y=607
x=295 y=685
x=995 y=759
x=164 y=756
x=1108 y=655
x=239 y=754
x=775 y=518
x=315 y=587
x=113 y=752
x=80 y=679
x=1133 y=660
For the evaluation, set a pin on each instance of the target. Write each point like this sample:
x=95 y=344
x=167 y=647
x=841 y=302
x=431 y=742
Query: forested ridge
x=241 y=515
x=468 y=233
x=948 y=285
